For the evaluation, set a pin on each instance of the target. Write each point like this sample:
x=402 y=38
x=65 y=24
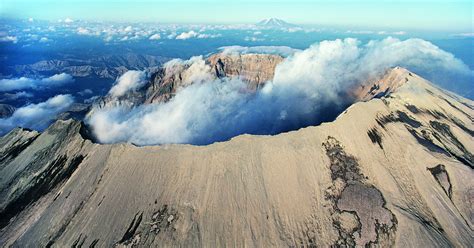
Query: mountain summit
x=394 y=169
x=275 y=23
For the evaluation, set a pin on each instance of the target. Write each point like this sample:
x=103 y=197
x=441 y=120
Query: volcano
x=393 y=169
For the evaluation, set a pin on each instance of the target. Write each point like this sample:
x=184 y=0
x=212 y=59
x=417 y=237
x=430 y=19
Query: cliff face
x=254 y=69
x=395 y=171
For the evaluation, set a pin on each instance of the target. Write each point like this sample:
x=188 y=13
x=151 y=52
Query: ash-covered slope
x=395 y=171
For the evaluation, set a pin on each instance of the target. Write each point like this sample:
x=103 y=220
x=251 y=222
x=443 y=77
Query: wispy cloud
x=31 y=83
x=130 y=80
x=37 y=116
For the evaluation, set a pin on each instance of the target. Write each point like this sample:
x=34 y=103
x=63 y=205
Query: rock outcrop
x=389 y=171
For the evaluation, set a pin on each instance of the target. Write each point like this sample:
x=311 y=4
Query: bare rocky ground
x=394 y=171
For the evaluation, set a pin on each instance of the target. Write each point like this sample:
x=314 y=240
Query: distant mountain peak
x=275 y=23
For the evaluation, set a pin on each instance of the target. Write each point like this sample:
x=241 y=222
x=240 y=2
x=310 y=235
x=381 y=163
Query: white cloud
x=128 y=29
x=91 y=99
x=83 y=31
x=171 y=35
x=197 y=72
x=85 y=92
x=15 y=96
x=254 y=39
x=8 y=38
x=44 y=40
x=37 y=116
x=375 y=32
x=294 y=29
x=208 y=36
x=31 y=19
x=108 y=39
x=399 y=33
x=193 y=34
x=68 y=20
x=186 y=35
x=359 y=32
x=279 y=50
x=308 y=87
x=30 y=83
x=155 y=37
x=130 y=80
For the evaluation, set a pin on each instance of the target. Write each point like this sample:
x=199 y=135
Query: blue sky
x=446 y=15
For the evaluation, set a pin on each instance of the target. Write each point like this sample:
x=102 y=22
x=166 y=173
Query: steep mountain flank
x=394 y=171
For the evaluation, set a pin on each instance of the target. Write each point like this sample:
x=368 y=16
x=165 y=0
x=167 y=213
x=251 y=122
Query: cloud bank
x=283 y=51
x=193 y=34
x=37 y=116
x=308 y=87
x=31 y=83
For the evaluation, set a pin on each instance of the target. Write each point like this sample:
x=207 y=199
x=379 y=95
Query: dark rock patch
x=219 y=69
x=132 y=228
x=458 y=109
x=444 y=135
x=426 y=141
x=163 y=218
x=368 y=204
x=403 y=117
x=441 y=175
x=436 y=114
x=79 y=241
x=398 y=116
x=94 y=243
x=461 y=125
x=86 y=133
x=342 y=165
x=358 y=209
x=382 y=94
x=412 y=108
x=375 y=136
